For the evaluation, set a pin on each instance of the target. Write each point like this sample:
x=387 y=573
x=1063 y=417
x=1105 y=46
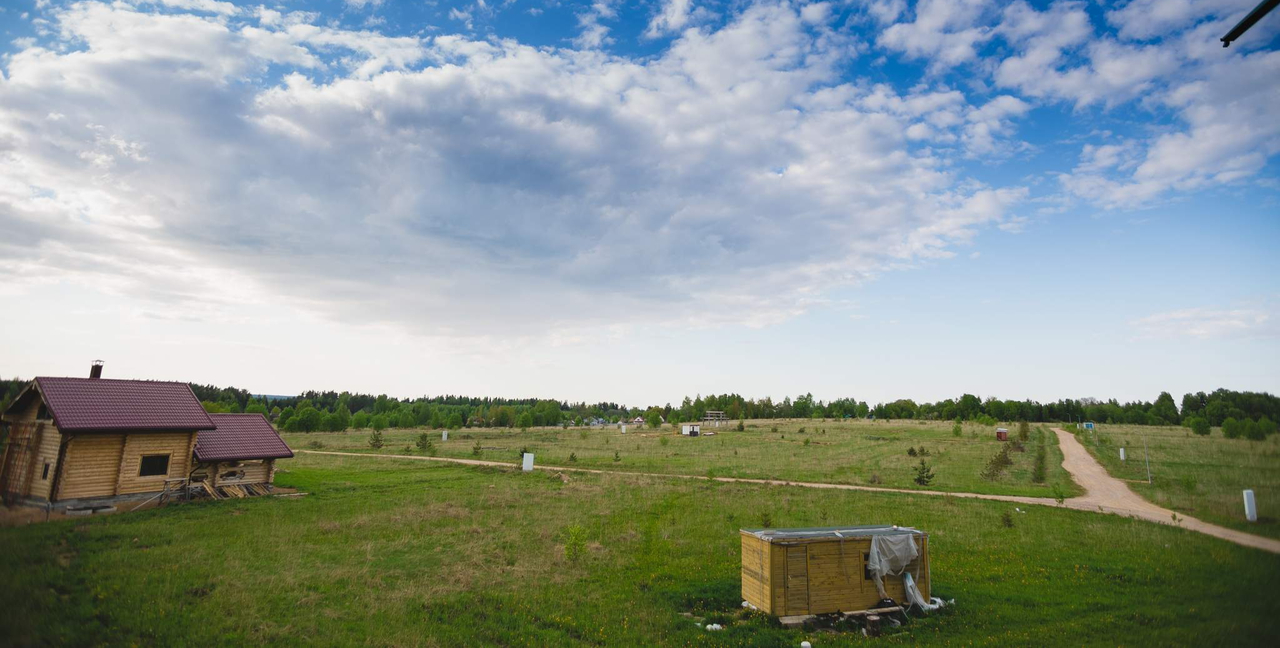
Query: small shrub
x=1199 y=425
x=523 y=452
x=1024 y=431
x=617 y=456
x=923 y=452
x=766 y=520
x=664 y=441
x=476 y=449
x=873 y=479
x=801 y=430
x=1059 y=495
x=1231 y=428
x=1038 y=473
x=911 y=451
x=408 y=449
x=575 y=542
x=773 y=429
x=425 y=444
x=375 y=439
x=997 y=464
x=806 y=442
x=924 y=474
x=957 y=430
x=315 y=445
x=582 y=434
x=573 y=457
x=1007 y=520
x=741 y=427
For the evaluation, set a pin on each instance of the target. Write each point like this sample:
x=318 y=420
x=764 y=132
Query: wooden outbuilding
x=241 y=449
x=791 y=572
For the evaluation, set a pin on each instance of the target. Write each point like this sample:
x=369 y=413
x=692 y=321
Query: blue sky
x=634 y=201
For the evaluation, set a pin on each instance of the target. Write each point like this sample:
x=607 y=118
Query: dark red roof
x=240 y=436
x=105 y=405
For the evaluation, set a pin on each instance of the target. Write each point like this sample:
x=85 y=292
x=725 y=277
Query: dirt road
x=1102 y=491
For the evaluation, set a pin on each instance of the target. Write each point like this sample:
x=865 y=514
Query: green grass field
x=845 y=452
x=391 y=552
x=1201 y=476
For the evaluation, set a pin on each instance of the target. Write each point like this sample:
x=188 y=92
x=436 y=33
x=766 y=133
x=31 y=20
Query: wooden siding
x=177 y=445
x=819 y=576
x=31 y=445
x=245 y=472
x=91 y=466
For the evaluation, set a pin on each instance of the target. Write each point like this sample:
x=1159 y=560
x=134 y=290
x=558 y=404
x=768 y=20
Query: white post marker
x=1121 y=454
x=444 y=436
x=528 y=462
x=624 y=429
x=1250 y=507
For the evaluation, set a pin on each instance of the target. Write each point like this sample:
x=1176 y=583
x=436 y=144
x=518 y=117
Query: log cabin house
x=75 y=439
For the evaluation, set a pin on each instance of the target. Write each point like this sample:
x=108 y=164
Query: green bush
x=1198 y=425
x=957 y=430
x=575 y=542
x=1231 y=428
x=375 y=439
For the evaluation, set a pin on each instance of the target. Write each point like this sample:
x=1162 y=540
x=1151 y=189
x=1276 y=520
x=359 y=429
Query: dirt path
x=1101 y=490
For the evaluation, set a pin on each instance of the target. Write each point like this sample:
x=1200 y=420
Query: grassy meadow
x=872 y=453
x=1202 y=476
x=390 y=552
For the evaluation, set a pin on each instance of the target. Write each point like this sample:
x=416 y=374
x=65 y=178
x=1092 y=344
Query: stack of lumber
x=236 y=491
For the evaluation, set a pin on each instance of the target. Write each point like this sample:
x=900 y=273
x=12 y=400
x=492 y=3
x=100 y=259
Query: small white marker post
x=624 y=429
x=1121 y=454
x=1250 y=507
x=528 y=462
x=444 y=436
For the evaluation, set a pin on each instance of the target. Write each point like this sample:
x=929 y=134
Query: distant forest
x=1249 y=414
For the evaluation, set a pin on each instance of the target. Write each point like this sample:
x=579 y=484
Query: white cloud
x=671 y=17
x=206 y=6
x=1144 y=19
x=594 y=33
x=1208 y=323
x=946 y=32
x=468 y=188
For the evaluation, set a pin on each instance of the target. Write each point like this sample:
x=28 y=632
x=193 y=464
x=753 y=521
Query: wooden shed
x=77 y=438
x=241 y=449
x=790 y=572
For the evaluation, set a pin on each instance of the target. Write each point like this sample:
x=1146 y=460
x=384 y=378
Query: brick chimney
x=96 y=370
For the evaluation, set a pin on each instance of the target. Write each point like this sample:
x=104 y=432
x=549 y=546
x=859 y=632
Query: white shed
x=690 y=429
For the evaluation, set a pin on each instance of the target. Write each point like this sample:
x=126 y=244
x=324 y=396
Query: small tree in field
x=1024 y=431
x=375 y=439
x=957 y=430
x=653 y=418
x=924 y=474
x=425 y=444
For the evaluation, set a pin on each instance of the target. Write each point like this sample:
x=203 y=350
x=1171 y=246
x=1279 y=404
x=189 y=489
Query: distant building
x=690 y=429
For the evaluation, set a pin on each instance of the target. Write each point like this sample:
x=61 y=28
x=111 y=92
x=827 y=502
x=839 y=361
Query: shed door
x=797 y=580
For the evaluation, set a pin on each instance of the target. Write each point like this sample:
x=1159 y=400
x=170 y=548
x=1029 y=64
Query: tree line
x=1239 y=413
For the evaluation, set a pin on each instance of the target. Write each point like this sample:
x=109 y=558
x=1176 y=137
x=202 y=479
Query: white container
x=444 y=436
x=528 y=462
x=1121 y=454
x=624 y=429
x=1250 y=507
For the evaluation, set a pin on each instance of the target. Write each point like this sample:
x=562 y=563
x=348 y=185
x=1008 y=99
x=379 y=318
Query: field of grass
x=391 y=552
x=837 y=451
x=1201 y=476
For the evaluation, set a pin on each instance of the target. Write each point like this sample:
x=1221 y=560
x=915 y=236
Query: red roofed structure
x=90 y=438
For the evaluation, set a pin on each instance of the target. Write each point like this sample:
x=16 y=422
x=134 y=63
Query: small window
x=46 y=471
x=154 y=466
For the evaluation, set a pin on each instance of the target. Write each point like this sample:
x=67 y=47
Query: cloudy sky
x=638 y=200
